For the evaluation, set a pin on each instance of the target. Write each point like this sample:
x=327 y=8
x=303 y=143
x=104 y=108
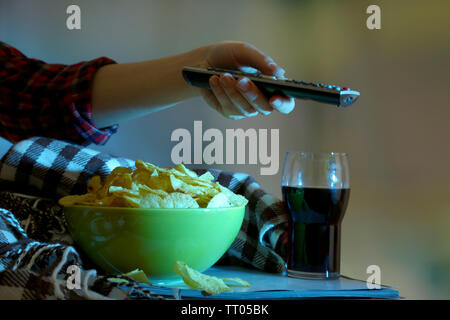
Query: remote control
x=269 y=85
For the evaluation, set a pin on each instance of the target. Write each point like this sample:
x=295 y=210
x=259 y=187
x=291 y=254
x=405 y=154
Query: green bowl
x=120 y=240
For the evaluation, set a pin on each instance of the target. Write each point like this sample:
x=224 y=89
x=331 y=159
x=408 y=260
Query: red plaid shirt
x=51 y=100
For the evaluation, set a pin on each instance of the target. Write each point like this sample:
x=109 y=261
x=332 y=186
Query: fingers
x=282 y=104
x=248 y=55
x=259 y=101
x=239 y=99
x=254 y=96
x=233 y=104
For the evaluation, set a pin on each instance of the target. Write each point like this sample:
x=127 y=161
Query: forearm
x=125 y=91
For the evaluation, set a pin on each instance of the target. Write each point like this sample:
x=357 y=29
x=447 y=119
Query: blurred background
x=397 y=134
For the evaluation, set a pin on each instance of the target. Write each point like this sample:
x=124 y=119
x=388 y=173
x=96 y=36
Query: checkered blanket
x=36 y=248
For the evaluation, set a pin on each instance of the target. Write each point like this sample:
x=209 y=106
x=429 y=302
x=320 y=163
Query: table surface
x=277 y=286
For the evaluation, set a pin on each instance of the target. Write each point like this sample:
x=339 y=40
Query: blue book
x=273 y=286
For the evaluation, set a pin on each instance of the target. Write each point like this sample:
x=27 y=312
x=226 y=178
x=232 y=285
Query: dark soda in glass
x=316 y=215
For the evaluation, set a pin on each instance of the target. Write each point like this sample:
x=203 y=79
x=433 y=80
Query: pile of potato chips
x=150 y=186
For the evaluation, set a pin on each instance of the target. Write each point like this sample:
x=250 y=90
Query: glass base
x=312 y=275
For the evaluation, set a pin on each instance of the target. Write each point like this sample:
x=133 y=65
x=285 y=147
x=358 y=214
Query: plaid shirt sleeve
x=51 y=100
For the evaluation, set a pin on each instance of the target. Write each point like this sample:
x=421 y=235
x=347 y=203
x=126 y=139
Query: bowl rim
x=154 y=210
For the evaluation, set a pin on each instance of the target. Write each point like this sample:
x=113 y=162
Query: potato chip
x=183 y=169
x=151 y=200
x=220 y=200
x=85 y=199
x=106 y=201
x=143 y=165
x=175 y=183
x=121 y=170
x=149 y=186
x=209 y=284
x=94 y=184
x=204 y=199
x=69 y=200
x=125 y=201
x=206 y=177
x=161 y=182
x=195 y=279
x=179 y=200
x=193 y=190
x=123 y=180
x=236 y=200
x=117 y=280
x=119 y=191
x=141 y=176
x=239 y=281
x=138 y=275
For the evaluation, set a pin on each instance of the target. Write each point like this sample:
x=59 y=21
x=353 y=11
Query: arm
x=71 y=102
x=126 y=91
x=50 y=100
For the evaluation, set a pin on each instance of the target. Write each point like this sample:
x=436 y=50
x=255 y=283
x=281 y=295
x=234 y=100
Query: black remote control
x=269 y=85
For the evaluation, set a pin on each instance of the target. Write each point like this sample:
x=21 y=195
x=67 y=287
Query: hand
x=238 y=99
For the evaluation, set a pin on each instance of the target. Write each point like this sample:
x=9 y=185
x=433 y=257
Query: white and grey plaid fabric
x=36 y=248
